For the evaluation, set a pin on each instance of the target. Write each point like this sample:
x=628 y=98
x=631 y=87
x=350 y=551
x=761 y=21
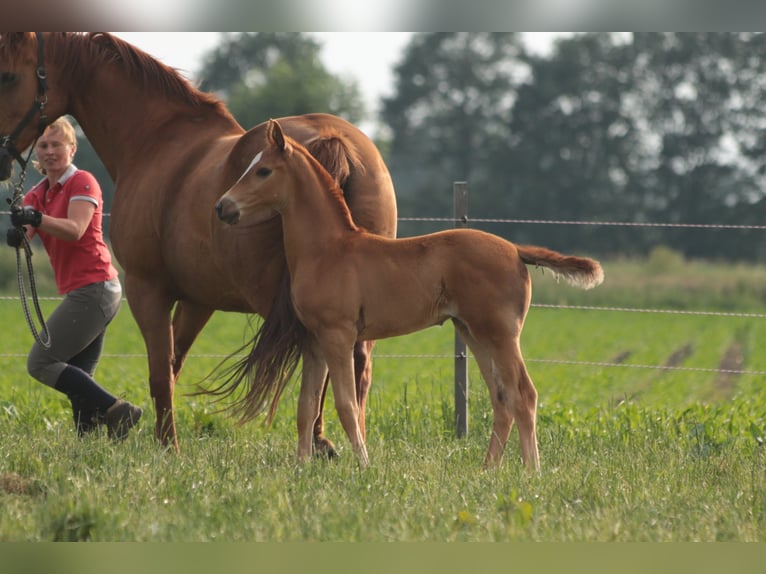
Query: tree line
x=640 y=127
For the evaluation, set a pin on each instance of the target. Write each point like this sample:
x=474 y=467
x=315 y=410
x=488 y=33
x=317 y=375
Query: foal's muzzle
x=227 y=211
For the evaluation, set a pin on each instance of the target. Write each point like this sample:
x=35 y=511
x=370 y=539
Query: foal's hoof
x=323 y=448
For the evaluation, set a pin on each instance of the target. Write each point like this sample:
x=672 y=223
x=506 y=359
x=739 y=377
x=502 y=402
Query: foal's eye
x=263 y=172
x=7 y=79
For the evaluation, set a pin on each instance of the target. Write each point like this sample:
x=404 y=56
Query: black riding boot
x=89 y=400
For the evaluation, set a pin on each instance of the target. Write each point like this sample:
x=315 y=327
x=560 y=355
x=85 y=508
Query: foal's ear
x=275 y=135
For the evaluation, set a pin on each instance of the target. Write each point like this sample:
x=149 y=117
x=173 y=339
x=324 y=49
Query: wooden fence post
x=460 y=209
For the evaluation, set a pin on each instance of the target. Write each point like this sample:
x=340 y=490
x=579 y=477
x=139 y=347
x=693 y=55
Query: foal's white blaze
x=256 y=159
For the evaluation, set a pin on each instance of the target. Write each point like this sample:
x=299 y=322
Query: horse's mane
x=80 y=52
x=332 y=153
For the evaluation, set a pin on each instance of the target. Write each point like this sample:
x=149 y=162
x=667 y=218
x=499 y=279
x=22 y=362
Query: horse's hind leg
x=514 y=391
x=502 y=420
x=188 y=321
x=526 y=418
x=512 y=394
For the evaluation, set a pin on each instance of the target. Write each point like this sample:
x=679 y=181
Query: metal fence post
x=460 y=209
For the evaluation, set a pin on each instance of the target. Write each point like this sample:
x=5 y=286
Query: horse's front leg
x=150 y=306
x=363 y=379
x=313 y=387
x=337 y=346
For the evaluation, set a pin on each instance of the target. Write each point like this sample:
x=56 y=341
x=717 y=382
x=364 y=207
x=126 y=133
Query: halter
x=8 y=143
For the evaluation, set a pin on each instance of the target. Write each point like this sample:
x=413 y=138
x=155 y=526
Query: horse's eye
x=263 y=172
x=7 y=79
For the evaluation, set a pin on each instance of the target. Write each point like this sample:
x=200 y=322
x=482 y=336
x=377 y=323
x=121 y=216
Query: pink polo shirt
x=75 y=263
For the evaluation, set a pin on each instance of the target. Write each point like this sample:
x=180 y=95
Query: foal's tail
x=579 y=271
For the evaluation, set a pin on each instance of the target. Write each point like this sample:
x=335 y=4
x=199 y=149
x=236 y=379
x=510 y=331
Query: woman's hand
x=27 y=215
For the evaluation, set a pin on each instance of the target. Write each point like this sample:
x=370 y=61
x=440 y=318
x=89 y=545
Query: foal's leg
x=363 y=379
x=502 y=420
x=323 y=446
x=313 y=386
x=525 y=411
x=337 y=347
x=511 y=392
x=514 y=395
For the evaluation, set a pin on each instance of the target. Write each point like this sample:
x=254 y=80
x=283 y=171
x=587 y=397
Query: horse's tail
x=265 y=370
x=579 y=271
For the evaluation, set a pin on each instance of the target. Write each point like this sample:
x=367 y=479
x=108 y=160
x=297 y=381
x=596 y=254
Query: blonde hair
x=65 y=128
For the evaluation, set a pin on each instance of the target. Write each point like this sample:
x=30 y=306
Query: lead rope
x=41 y=335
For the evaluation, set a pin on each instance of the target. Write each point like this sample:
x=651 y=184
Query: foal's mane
x=79 y=53
x=332 y=152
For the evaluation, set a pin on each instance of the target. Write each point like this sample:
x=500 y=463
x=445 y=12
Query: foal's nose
x=227 y=211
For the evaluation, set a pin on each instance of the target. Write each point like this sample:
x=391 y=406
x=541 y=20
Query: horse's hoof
x=323 y=448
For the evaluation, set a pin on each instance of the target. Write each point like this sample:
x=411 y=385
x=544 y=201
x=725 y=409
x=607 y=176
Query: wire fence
x=446 y=356
x=659 y=224
x=464 y=221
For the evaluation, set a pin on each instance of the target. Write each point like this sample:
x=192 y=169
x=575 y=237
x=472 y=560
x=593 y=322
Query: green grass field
x=629 y=451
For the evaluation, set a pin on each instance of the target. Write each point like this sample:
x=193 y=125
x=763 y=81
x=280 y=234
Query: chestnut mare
x=171 y=150
x=390 y=287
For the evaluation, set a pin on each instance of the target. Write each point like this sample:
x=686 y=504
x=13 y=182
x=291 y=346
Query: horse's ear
x=275 y=134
